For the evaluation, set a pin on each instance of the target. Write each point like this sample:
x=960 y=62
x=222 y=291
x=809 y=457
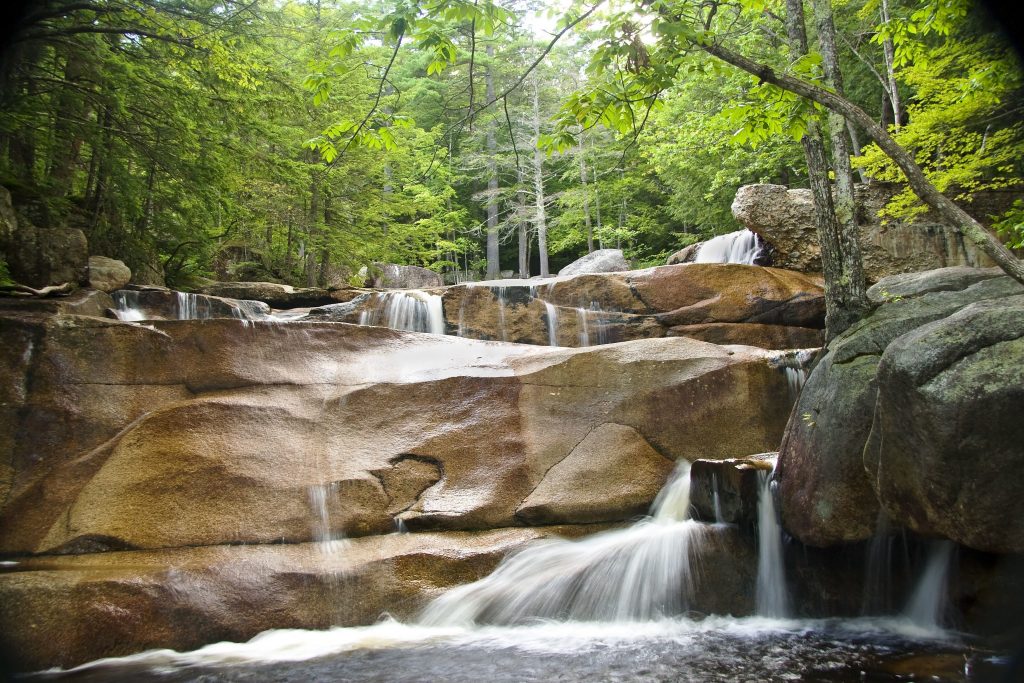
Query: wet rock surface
x=280 y=296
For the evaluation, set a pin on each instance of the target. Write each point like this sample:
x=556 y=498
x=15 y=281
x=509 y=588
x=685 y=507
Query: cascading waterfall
x=643 y=572
x=320 y=497
x=887 y=556
x=128 y=306
x=413 y=311
x=716 y=500
x=584 y=316
x=928 y=603
x=502 y=295
x=772 y=594
x=736 y=247
x=551 y=312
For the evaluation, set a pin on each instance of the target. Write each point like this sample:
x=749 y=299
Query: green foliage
x=963 y=129
x=1010 y=226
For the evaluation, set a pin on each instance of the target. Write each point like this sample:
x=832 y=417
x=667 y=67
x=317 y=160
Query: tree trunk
x=540 y=217
x=839 y=313
x=597 y=210
x=586 y=199
x=850 y=280
x=493 y=256
x=889 y=51
x=311 y=229
x=67 y=136
x=919 y=183
x=524 y=229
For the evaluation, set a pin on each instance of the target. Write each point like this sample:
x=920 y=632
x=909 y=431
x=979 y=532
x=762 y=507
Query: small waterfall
x=885 y=563
x=928 y=603
x=736 y=247
x=584 y=318
x=639 y=573
x=716 y=500
x=128 y=307
x=772 y=595
x=413 y=311
x=502 y=295
x=192 y=307
x=552 y=321
x=320 y=497
x=584 y=331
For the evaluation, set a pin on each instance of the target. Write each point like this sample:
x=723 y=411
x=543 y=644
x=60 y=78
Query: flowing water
x=735 y=247
x=772 y=594
x=412 y=310
x=610 y=607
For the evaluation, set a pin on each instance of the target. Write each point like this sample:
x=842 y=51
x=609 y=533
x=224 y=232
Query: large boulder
x=947 y=440
x=39 y=257
x=392 y=276
x=785 y=219
x=600 y=261
x=207 y=432
x=827 y=495
x=107 y=274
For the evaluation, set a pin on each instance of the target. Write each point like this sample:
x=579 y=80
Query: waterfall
x=502 y=295
x=772 y=595
x=552 y=321
x=584 y=332
x=128 y=307
x=736 y=247
x=883 y=564
x=639 y=573
x=928 y=603
x=716 y=500
x=413 y=311
x=583 y=318
x=320 y=497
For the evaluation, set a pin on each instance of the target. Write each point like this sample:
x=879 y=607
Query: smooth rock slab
x=225 y=431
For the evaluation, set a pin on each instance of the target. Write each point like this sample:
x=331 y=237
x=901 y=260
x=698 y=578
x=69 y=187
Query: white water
x=551 y=311
x=772 y=594
x=640 y=573
x=735 y=247
x=412 y=310
x=928 y=603
x=502 y=295
x=128 y=308
x=320 y=499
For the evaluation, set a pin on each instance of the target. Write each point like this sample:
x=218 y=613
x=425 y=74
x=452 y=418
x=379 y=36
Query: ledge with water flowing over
x=185 y=481
x=719 y=303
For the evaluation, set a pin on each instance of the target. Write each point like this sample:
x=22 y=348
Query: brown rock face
x=721 y=303
x=607 y=477
x=38 y=257
x=785 y=219
x=210 y=432
x=278 y=295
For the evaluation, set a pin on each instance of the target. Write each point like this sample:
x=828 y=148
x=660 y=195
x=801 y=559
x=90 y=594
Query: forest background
x=300 y=141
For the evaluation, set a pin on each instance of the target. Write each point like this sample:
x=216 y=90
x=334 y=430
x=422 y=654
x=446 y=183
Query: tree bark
x=493 y=255
x=588 y=226
x=540 y=217
x=922 y=187
x=850 y=279
x=524 y=230
x=840 y=311
x=889 y=51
